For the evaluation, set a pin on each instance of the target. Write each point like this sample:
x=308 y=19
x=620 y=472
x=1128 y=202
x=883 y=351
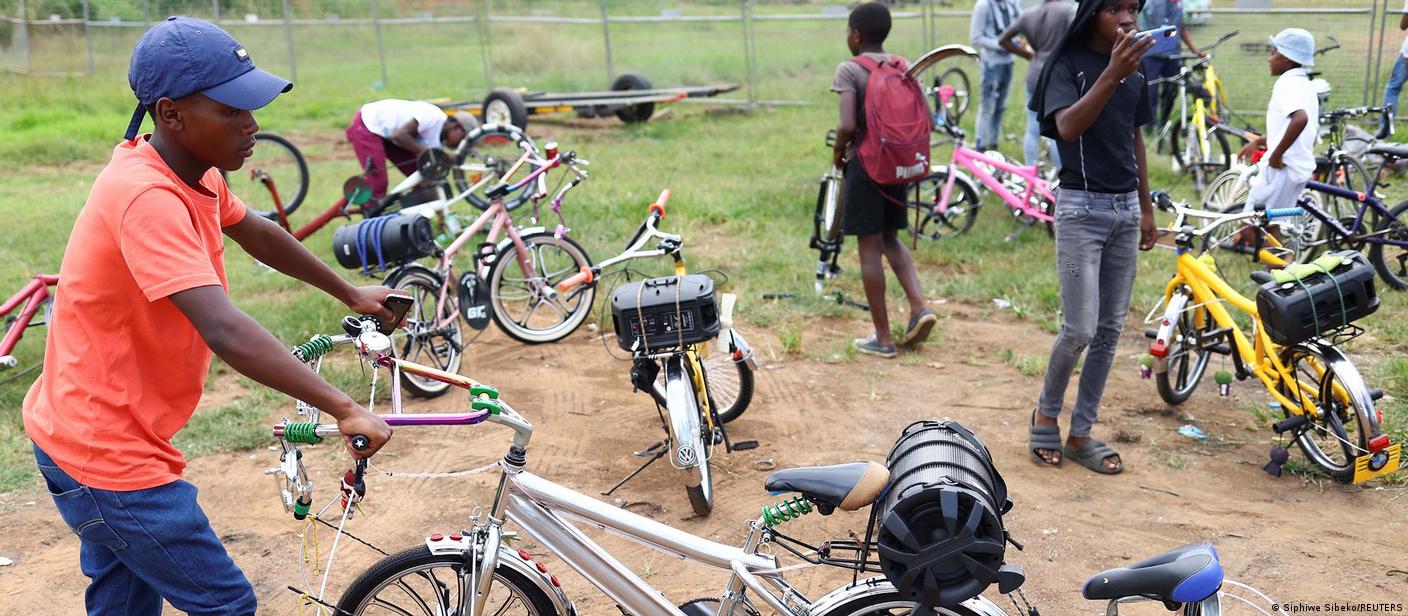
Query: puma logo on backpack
x=895 y=148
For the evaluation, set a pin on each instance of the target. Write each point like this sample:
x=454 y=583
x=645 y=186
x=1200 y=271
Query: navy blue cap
x=183 y=56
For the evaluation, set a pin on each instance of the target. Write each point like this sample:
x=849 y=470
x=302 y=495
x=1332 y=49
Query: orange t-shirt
x=123 y=367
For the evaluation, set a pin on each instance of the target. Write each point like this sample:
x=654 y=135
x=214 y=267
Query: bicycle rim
x=276 y=159
x=1392 y=261
x=526 y=304
x=484 y=159
x=421 y=341
x=730 y=384
x=1187 y=357
x=418 y=582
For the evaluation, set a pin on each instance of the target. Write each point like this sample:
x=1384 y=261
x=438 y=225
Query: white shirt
x=384 y=117
x=1292 y=93
x=1404 y=50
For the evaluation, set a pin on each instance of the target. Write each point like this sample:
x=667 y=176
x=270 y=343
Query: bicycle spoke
x=379 y=602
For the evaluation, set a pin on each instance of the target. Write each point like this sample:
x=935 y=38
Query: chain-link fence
x=776 y=50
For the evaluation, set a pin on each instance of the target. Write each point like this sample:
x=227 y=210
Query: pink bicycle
x=511 y=281
x=946 y=213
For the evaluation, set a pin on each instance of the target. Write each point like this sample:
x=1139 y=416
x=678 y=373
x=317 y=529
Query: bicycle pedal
x=745 y=445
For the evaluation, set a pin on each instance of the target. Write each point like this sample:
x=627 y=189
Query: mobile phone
x=399 y=304
x=1162 y=32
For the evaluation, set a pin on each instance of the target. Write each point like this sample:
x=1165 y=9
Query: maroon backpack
x=895 y=148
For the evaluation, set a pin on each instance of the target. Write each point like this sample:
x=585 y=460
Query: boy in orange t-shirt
x=141 y=305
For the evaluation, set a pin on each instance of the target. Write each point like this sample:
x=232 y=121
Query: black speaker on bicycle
x=377 y=243
x=939 y=531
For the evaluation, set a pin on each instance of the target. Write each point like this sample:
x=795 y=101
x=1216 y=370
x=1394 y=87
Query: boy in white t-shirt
x=400 y=130
x=1292 y=122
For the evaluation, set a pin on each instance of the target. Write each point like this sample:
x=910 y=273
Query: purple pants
x=371 y=146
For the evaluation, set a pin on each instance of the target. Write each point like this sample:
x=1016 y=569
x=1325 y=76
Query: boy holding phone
x=142 y=303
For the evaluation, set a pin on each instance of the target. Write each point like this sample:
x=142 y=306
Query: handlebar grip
x=579 y=278
x=659 y=205
x=360 y=442
x=1285 y=212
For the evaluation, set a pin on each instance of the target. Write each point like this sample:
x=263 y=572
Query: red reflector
x=1380 y=414
x=456 y=536
x=542 y=568
x=522 y=553
x=437 y=537
x=1378 y=443
x=738 y=356
x=1159 y=348
x=554 y=581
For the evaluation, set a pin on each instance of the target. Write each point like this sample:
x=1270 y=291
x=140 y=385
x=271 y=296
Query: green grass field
x=744 y=189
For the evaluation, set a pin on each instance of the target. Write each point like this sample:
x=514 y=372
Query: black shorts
x=865 y=208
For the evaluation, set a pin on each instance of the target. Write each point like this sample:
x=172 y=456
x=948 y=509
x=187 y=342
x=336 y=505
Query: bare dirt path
x=1295 y=539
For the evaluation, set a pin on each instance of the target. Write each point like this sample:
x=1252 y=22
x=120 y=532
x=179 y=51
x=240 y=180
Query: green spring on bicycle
x=316 y=347
x=302 y=432
x=786 y=511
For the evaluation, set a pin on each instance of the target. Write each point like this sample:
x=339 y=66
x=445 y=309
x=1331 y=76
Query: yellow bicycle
x=1198 y=149
x=1329 y=411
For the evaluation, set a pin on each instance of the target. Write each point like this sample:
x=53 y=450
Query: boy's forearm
x=1073 y=121
x=254 y=352
x=274 y=247
x=1299 y=120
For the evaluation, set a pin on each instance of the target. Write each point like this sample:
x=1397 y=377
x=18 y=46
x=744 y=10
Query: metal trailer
x=630 y=98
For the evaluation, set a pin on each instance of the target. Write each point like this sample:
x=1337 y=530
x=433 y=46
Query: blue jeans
x=1097 y=251
x=992 y=102
x=142 y=546
x=1032 y=139
x=1395 y=84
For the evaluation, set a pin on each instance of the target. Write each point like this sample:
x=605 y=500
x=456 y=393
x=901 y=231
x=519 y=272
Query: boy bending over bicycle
x=1292 y=122
x=143 y=303
x=399 y=131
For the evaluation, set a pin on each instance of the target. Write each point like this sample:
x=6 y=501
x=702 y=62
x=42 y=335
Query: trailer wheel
x=505 y=106
x=634 y=113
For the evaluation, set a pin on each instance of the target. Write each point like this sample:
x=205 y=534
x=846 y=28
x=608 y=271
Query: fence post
x=1369 y=63
x=288 y=38
x=380 y=48
x=750 y=49
x=215 y=11
x=1379 y=62
x=484 y=49
x=88 y=39
x=147 y=13
x=24 y=28
x=606 y=33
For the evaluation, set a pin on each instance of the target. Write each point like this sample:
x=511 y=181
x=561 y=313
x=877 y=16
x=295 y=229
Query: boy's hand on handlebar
x=838 y=158
x=369 y=300
x=363 y=423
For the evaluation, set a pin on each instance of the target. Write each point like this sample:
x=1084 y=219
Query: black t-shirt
x=1101 y=159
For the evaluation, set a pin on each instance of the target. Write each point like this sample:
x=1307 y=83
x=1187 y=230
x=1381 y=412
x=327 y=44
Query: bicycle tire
x=494 y=146
x=1395 y=227
x=730 y=396
x=962 y=92
x=286 y=167
x=420 y=340
x=888 y=603
x=826 y=222
x=1191 y=162
x=1329 y=427
x=962 y=211
x=392 y=572
x=1186 y=364
x=569 y=262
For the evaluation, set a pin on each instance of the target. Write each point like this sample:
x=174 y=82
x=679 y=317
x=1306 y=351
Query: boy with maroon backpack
x=878 y=100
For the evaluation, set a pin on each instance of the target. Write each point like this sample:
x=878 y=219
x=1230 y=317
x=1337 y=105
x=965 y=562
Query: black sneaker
x=870 y=346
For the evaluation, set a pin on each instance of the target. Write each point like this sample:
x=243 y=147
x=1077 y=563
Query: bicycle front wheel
x=1188 y=355
x=730 y=384
x=276 y=171
x=962 y=92
x=415 y=580
x=1336 y=434
x=1392 y=260
x=690 y=440
x=424 y=340
x=526 y=303
x=962 y=210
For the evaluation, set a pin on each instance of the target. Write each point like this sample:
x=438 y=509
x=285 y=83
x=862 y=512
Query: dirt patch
x=1275 y=534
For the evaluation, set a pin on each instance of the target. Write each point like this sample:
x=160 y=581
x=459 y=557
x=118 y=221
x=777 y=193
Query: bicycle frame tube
x=1210 y=291
x=968 y=158
x=1365 y=201
x=537 y=506
x=33 y=296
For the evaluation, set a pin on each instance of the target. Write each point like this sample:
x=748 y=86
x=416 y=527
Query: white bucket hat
x=1296 y=44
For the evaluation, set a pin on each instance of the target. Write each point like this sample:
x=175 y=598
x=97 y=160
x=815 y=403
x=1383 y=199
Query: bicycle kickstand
x=1021 y=226
x=653 y=452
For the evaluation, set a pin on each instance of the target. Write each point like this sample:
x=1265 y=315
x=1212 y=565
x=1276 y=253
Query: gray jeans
x=1097 y=250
